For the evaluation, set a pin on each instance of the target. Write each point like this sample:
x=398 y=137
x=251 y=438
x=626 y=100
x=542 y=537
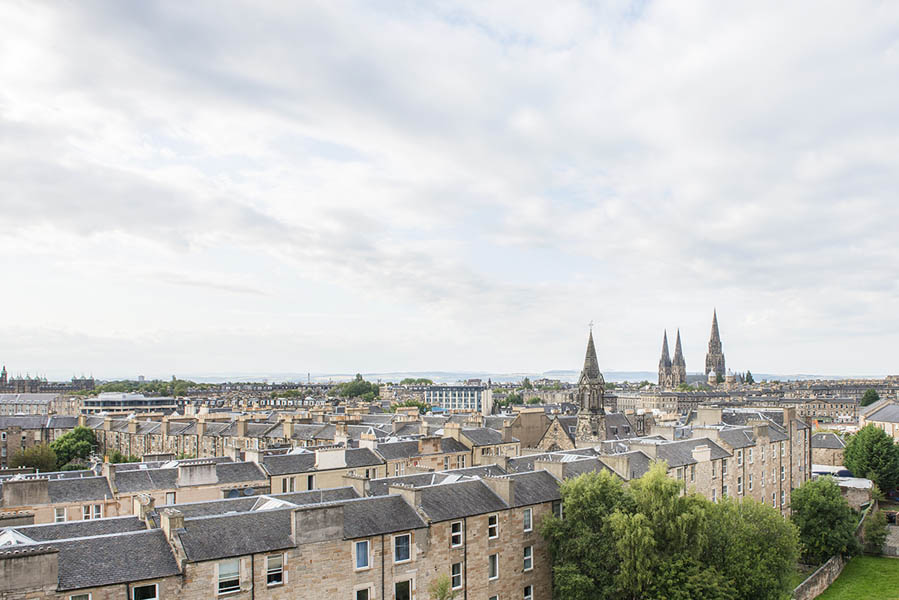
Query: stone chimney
x=554 y=467
x=368 y=440
x=425 y=428
x=620 y=463
x=789 y=415
x=25 y=492
x=28 y=568
x=702 y=453
x=253 y=455
x=143 y=506
x=132 y=426
x=172 y=520
x=201 y=426
x=109 y=474
x=410 y=494
x=287 y=427
x=708 y=415
x=196 y=473
x=241 y=426
x=164 y=426
x=330 y=458
x=341 y=433
x=504 y=487
x=107 y=423
x=359 y=483
x=454 y=430
x=429 y=445
x=82 y=420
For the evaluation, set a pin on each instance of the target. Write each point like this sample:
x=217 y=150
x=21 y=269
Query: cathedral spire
x=678 y=351
x=591 y=370
x=714 y=360
x=665 y=361
x=716 y=337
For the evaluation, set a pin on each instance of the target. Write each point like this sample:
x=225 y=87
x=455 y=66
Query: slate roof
x=208 y=508
x=62 y=422
x=138 y=480
x=463 y=499
x=304 y=462
x=680 y=452
x=23 y=421
x=534 y=488
x=113 y=559
x=452 y=445
x=398 y=450
x=379 y=515
x=78 y=490
x=828 y=440
x=887 y=414
x=77 y=529
x=484 y=436
x=222 y=536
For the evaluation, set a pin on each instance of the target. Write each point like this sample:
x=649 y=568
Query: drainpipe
x=465 y=555
x=382 y=566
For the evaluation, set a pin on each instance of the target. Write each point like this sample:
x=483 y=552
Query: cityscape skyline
x=353 y=187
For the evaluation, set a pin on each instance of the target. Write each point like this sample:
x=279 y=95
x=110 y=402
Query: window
x=724 y=491
x=445 y=463
x=692 y=472
x=494 y=598
x=59 y=515
x=170 y=497
x=774 y=499
x=724 y=467
x=762 y=450
x=402 y=590
x=229 y=575
x=362 y=594
x=396 y=470
x=680 y=473
x=528 y=558
x=80 y=597
x=362 y=555
x=783 y=497
x=750 y=456
x=783 y=449
x=528 y=592
x=310 y=482
x=528 y=520
x=492 y=527
x=782 y=473
x=714 y=469
x=714 y=495
x=557 y=508
x=456 y=534
x=91 y=511
x=461 y=461
x=144 y=592
x=493 y=566
x=750 y=482
x=402 y=548
x=456 y=575
x=740 y=457
x=739 y=486
x=274 y=569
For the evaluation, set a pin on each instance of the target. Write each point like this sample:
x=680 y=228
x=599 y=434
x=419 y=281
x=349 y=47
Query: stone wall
x=820 y=580
x=891 y=546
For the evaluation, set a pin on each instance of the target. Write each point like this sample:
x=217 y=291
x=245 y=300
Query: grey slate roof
x=379 y=515
x=285 y=464
x=78 y=490
x=222 y=536
x=113 y=559
x=463 y=499
x=23 y=421
x=77 y=529
x=452 y=445
x=137 y=480
x=828 y=440
x=484 y=436
x=680 y=452
x=887 y=414
x=398 y=450
x=534 y=488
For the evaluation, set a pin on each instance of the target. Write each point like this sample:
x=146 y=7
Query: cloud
x=480 y=179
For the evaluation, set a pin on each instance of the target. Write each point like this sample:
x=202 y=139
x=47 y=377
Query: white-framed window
x=363 y=594
x=724 y=491
x=493 y=566
x=402 y=548
x=456 y=576
x=783 y=449
x=763 y=479
x=739 y=486
x=229 y=576
x=762 y=450
x=310 y=482
x=528 y=518
x=274 y=569
x=750 y=456
x=740 y=457
x=783 y=473
x=59 y=515
x=724 y=467
x=774 y=499
x=170 y=497
x=456 y=534
x=528 y=592
x=783 y=497
x=750 y=482
x=557 y=508
x=714 y=470
x=362 y=555
x=445 y=463
x=714 y=495
x=492 y=527
x=91 y=511
x=494 y=598
x=145 y=592
x=80 y=597
x=692 y=472
x=396 y=470
x=402 y=590
x=528 y=558
x=461 y=461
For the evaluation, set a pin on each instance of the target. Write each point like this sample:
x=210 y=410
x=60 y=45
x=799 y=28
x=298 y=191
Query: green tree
x=356 y=388
x=526 y=384
x=872 y=454
x=514 y=398
x=441 y=589
x=416 y=381
x=40 y=457
x=77 y=443
x=117 y=457
x=422 y=407
x=749 y=378
x=869 y=397
x=534 y=400
x=875 y=532
x=826 y=523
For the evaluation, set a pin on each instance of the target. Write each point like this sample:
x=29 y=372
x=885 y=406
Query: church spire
x=665 y=361
x=716 y=337
x=714 y=360
x=591 y=370
x=678 y=351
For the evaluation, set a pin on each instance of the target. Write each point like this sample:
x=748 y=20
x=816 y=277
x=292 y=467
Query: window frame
x=367 y=565
x=59 y=516
x=527 y=518
x=493 y=565
x=155 y=587
x=494 y=527
x=527 y=558
x=454 y=575
x=528 y=592
x=397 y=538
x=86 y=596
x=219 y=579
x=454 y=534
x=280 y=572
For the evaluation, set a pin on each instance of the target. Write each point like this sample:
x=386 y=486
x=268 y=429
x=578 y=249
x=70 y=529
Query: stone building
x=714 y=360
x=672 y=372
x=827 y=449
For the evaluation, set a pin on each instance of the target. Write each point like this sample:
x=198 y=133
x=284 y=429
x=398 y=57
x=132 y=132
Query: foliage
x=875 y=532
x=610 y=385
x=289 y=394
x=514 y=398
x=40 y=457
x=650 y=541
x=719 y=378
x=357 y=388
x=117 y=457
x=416 y=381
x=748 y=378
x=826 y=523
x=871 y=453
x=422 y=407
x=156 y=387
x=534 y=400
x=864 y=578
x=526 y=384
x=869 y=397
x=441 y=588
x=686 y=387
x=77 y=443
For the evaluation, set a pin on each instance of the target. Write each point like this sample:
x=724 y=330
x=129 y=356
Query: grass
x=866 y=578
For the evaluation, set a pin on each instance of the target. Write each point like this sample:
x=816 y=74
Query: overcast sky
x=219 y=187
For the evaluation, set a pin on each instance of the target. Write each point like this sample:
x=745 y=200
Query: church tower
x=678 y=364
x=665 y=363
x=591 y=389
x=3 y=376
x=714 y=360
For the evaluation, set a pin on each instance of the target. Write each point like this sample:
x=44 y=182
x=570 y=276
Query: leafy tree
x=117 y=457
x=534 y=400
x=513 y=399
x=826 y=523
x=441 y=589
x=357 y=388
x=77 y=443
x=875 y=532
x=872 y=454
x=422 y=407
x=416 y=381
x=610 y=385
x=526 y=384
x=40 y=457
x=748 y=378
x=869 y=397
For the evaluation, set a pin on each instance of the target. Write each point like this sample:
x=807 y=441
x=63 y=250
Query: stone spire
x=591 y=385
x=678 y=364
x=665 y=363
x=714 y=360
x=591 y=363
x=3 y=376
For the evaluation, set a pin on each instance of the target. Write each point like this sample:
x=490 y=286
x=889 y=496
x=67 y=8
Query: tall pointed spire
x=665 y=360
x=678 y=351
x=714 y=360
x=716 y=337
x=591 y=364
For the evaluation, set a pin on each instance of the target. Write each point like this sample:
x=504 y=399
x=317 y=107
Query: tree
x=826 y=523
x=875 y=532
x=117 y=457
x=77 y=443
x=356 y=388
x=748 y=378
x=869 y=397
x=526 y=384
x=441 y=589
x=534 y=400
x=416 y=381
x=872 y=454
x=40 y=458
x=513 y=399
x=422 y=407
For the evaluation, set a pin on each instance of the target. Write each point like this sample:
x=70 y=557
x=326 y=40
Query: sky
x=230 y=187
